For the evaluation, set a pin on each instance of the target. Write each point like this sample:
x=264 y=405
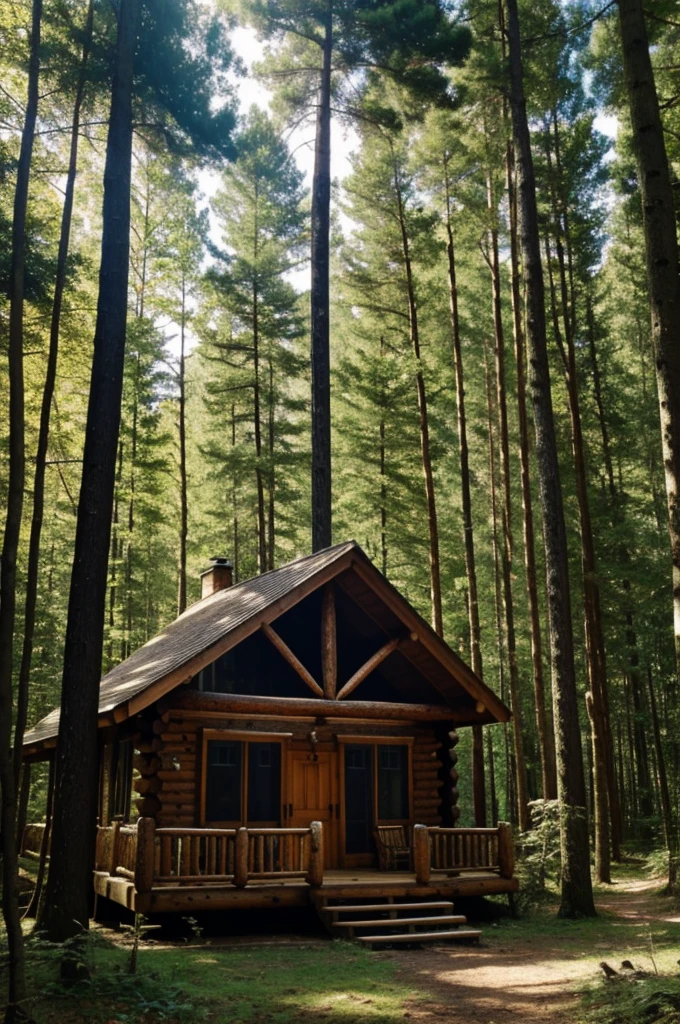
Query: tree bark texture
x=576 y=885
x=33 y=566
x=423 y=421
x=546 y=737
x=478 y=774
x=506 y=516
x=320 y=302
x=76 y=775
x=594 y=639
x=16 y=991
x=663 y=269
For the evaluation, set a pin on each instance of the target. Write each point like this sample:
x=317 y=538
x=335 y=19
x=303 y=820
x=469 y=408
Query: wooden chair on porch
x=395 y=849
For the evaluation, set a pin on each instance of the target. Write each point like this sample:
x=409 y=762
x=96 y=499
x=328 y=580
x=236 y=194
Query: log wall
x=169 y=743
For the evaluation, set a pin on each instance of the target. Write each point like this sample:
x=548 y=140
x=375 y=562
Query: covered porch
x=149 y=869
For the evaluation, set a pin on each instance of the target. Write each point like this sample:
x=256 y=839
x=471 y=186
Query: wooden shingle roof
x=219 y=622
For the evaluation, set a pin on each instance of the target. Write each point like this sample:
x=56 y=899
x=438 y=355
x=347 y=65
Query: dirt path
x=522 y=978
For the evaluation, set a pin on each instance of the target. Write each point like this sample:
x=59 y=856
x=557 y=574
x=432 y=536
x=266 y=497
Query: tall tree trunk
x=126 y=642
x=320 y=302
x=75 y=806
x=594 y=641
x=16 y=992
x=607 y=806
x=506 y=516
x=257 y=424
x=183 y=481
x=576 y=885
x=33 y=566
x=498 y=599
x=478 y=779
x=669 y=813
x=663 y=265
x=33 y=907
x=271 y=478
x=383 y=467
x=433 y=529
x=546 y=736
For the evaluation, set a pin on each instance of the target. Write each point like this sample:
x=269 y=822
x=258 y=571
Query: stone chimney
x=217 y=577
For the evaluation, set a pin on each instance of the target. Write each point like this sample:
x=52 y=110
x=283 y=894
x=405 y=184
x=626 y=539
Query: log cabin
x=289 y=740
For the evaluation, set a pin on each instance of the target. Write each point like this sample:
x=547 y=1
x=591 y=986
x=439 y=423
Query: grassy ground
x=288 y=980
x=277 y=983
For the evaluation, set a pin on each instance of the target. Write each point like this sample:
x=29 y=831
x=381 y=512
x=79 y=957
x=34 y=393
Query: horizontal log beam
x=294 y=662
x=368 y=667
x=233 y=703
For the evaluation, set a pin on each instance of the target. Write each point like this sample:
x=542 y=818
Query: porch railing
x=152 y=856
x=457 y=850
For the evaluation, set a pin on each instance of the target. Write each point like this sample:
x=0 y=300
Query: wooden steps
x=459 y=934
x=383 y=924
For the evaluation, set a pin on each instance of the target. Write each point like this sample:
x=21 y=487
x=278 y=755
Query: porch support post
x=315 y=872
x=241 y=858
x=506 y=850
x=294 y=662
x=329 y=644
x=145 y=862
x=421 y=854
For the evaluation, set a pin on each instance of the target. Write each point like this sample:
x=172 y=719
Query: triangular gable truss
x=267 y=598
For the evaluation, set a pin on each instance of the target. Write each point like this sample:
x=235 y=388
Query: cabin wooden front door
x=313 y=796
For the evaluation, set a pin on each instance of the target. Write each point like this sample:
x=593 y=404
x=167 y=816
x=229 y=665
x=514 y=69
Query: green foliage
x=643 y=1001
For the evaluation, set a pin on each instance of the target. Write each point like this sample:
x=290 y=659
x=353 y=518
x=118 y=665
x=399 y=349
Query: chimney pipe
x=217 y=577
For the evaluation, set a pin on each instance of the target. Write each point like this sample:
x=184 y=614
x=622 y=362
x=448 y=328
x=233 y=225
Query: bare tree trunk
x=498 y=599
x=33 y=565
x=234 y=502
x=320 y=301
x=383 y=471
x=75 y=806
x=114 y=555
x=183 y=479
x=594 y=641
x=433 y=530
x=257 y=424
x=663 y=264
x=576 y=885
x=126 y=641
x=478 y=779
x=546 y=736
x=670 y=819
x=16 y=993
x=506 y=516
x=33 y=907
x=271 y=478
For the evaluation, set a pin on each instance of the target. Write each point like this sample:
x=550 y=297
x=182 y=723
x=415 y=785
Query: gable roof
x=222 y=620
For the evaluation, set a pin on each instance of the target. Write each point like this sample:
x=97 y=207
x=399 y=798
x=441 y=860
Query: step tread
x=398 y=922
x=460 y=933
x=355 y=908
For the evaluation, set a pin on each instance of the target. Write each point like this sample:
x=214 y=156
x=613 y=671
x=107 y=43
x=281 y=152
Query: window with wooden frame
x=376 y=787
x=241 y=778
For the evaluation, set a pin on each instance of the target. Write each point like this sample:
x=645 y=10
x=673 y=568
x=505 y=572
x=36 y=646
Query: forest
x=282 y=273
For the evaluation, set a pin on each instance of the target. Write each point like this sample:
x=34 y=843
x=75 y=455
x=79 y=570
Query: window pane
x=223 y=782
x=392 y=782
x=358 y=798
x=264 y=781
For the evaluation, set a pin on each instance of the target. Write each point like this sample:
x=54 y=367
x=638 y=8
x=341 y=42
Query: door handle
x=330 y=810
x=290 y=810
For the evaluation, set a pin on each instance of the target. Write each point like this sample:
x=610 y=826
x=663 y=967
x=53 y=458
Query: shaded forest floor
x=528 y=971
